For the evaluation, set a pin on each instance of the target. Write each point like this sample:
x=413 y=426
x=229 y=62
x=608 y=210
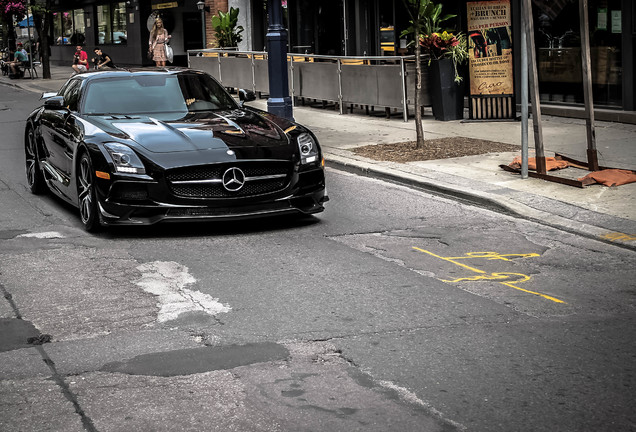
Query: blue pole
x=279 y=102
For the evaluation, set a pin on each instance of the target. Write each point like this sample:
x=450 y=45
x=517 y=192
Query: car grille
x=207 y=181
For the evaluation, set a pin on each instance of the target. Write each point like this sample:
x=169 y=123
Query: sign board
x=490 y=48
x=601 y=18
x=617 y=18
x=167 y=5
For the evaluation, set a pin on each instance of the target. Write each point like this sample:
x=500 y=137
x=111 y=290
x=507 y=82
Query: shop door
x=316 y=27
x=558 y=41
x=192 y=32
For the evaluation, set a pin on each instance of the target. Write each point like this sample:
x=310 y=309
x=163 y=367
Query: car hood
x=237 y=130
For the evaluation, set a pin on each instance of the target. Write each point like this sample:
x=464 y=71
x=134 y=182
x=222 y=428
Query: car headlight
x=308 y=148
x=125 y=159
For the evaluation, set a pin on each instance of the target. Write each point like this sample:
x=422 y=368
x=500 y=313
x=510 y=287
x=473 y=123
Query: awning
x=23 y=23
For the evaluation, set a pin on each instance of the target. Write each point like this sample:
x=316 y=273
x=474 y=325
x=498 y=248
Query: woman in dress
x=156 y=45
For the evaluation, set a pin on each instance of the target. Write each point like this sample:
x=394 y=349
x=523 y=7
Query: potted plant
x=446 y=52
x=226 y=30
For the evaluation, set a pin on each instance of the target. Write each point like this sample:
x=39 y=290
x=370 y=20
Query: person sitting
x=80 y=60
x=102 y=60
x=19 y=59
x=22 y=50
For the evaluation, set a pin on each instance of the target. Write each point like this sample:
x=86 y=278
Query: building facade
x=122 y=28
x=364 y=27
x=373 y=27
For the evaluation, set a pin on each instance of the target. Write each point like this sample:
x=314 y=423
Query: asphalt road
x=393 y=310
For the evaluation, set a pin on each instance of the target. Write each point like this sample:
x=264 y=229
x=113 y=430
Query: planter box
x=447 y=96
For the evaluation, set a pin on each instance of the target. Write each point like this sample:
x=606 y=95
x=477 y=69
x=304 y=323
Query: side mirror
x=54 y=103
x=246 y=95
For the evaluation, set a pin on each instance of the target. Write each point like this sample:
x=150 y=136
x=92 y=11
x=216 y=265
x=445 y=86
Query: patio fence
x=386 y=82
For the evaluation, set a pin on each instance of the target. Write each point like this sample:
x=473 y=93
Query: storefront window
x=557 y=35
x=111 y=23
x=104 y=29
x=57 y=28
x=69 y=27
x=78 y=37
x=119 y=23
x=387 y=28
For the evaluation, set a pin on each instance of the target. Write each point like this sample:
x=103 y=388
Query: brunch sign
x=490 y=47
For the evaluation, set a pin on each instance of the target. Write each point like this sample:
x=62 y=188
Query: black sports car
x=143 y=146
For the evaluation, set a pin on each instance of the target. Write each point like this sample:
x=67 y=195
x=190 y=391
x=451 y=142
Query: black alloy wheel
x=35 y=178
x=86 y=195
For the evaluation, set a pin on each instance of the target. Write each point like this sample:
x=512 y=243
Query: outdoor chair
x=30 y=68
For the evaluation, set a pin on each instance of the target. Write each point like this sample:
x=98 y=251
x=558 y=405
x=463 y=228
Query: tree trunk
x=11 y=35
x=418 y=92
x=41 y=21
x=5 y=30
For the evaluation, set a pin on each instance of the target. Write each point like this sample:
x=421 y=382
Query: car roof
x=139 y=71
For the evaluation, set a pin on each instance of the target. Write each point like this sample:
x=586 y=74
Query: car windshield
x=159 y=95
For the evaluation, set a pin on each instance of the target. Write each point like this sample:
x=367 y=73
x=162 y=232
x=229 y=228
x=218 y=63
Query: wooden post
x=524 y=101
x=534 y=88
x=586 y=66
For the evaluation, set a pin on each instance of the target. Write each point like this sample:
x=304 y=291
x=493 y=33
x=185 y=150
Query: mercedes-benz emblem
x=233 y=179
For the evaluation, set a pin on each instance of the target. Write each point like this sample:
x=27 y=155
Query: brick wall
x=215 y=6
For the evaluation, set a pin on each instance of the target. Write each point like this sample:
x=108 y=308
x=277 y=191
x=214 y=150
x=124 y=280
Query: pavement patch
x=168 y=280
x=15 y=333
x=199 y=360
x=9 y=234
x=43 y=235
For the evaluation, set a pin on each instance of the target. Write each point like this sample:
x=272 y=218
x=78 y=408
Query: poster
x=617 y=22
x=490 y=48
x=601 y=22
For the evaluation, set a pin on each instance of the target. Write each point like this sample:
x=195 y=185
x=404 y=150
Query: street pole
x=30 y=43
x=201 y=7
x=534 y=88
x=279 y=102
x=205 y=43
x=524 y=100
x=592 y=155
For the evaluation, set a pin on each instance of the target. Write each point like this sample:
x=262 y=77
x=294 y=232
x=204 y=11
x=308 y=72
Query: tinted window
x=155 y=94
x=71 y=94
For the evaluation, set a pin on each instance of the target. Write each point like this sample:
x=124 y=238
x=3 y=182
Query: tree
x=41 y=10
x=426 y=18
x=10 y=10
x=226 y=30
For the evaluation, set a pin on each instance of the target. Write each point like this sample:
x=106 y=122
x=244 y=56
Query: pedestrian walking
x=156 y=45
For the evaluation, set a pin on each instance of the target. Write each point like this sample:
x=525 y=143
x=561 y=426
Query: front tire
x=34 y=176
x=89 y=212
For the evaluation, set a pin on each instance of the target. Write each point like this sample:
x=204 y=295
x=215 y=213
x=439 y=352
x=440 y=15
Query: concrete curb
x=478 y=198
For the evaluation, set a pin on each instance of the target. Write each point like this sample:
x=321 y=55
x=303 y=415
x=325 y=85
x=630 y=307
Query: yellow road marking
x=554 y=299
x=495 y=256
x=499 y=277
x=493 y=276
x=450 y=259
x=613 y=236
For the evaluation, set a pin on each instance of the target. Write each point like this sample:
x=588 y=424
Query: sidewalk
x=607 y=214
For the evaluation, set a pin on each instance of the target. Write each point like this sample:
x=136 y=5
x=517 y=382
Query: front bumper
x=303 y=198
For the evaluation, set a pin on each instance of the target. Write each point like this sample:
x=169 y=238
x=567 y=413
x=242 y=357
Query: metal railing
x=382 y=81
